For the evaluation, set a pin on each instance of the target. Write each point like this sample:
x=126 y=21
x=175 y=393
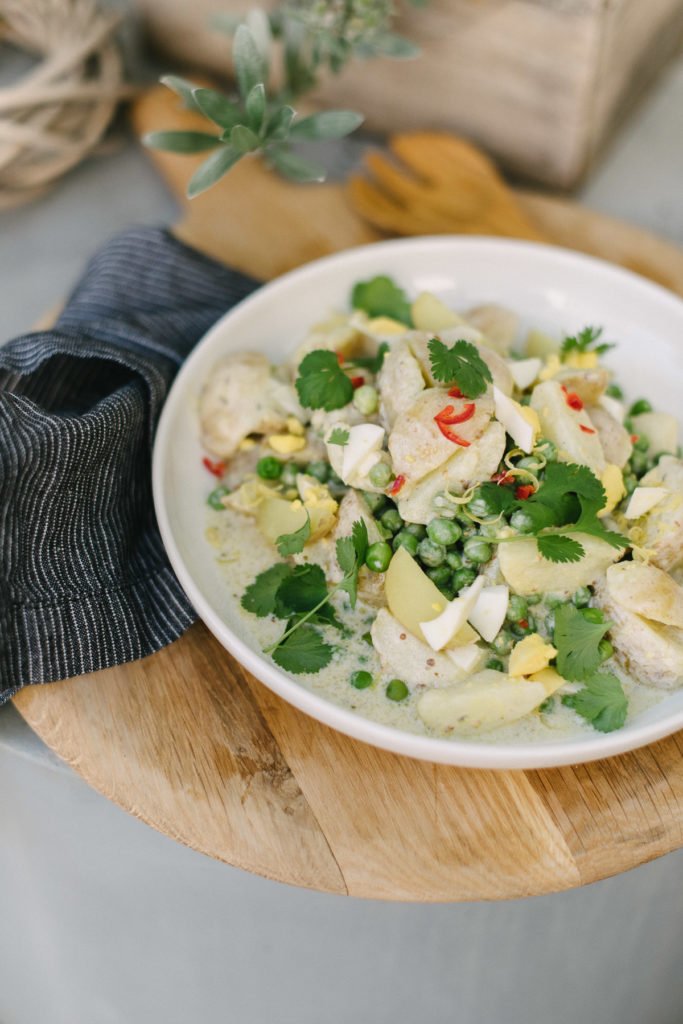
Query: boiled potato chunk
x=660 y=429
x=400 y=381
x=527 y=572
x=406 y=657
x=661 y=532
x=410 y=594
x=431 y=314
x=498 y=324
x=614 y=438
x=277 y=516
x=540 y=344
x=563 y=426
x=485 y=701
x=652 y=653
x=647 y=591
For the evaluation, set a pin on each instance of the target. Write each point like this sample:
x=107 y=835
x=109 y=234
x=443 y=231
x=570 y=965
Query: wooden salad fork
x=438 y=184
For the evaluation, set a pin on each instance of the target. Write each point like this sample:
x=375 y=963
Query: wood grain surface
x=189 y=742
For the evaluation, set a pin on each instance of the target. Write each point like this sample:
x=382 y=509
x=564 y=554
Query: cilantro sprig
x=300 y=595
x=578 y=643
x=293 y=543
x=601 y=701
x=568 y=501
x=460 y=364
x=586 y=341
x=380 y=296
x=322 y=384
x=339 y=436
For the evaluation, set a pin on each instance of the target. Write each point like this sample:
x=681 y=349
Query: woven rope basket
x=53 y=116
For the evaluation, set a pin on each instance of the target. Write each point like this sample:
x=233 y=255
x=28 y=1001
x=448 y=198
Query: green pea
x=417 y=530
x=517 y=608
x=640 y=406
x=441 y=575
x=581 y=598
x=522 y=521
x=550 y=623
x=463 y=578
x=546 y=448
x=454 y=560
x=479 y=506
x=495 y=664
x=639 y=463
x=269 y=468
x=592 y=615
x=288 y=473
x=403 y=539
x=361 y=680
x=503 y=642
x=214 y=499
x=396 y=690
x=520 y=630
x=375 y=502
x=380 y=475
x=447 y=592
x=320 y=470
x=429 y=553
x=630 y=484
x=605 y=649
x=477 y=550
x=555 y=600
x=392 y=520
x=378 y=556
x=489 y=530
x=530 y=463
x=365 y=399
x=384 y=533
x=614 y=391
x=534 y=598
x=444 y=531
x=642 y=444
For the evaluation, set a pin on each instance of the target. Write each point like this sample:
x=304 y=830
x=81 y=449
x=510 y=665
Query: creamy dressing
x=242 y=553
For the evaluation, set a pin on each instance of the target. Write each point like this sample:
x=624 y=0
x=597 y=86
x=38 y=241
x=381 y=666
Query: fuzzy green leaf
x=279 y=124
x=181 y=87
x=256 y=106
x=249 y=64
x=212 y=170
x=217 y=107
x=243 y=139
x=181 y=142
x=295 y=167
x=329 y=124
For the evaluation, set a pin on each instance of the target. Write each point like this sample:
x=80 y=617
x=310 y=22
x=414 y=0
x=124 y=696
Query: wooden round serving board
x=192 y=744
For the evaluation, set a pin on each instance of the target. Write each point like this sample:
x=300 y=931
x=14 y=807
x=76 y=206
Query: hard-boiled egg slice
x=440 y=631
x=363 y=440
x=524 y=371
x=532 y=654
x=643 y=500
x=488 y=614
x=521 y=422
x=467 y=658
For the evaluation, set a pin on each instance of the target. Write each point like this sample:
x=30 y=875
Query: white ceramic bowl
x=553 y=289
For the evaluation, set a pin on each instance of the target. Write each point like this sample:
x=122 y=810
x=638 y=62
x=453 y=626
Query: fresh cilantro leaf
x=557 y=548
x=338 y=436
x=577 y=642
x=563 y=477
x=382 y=297
x=293 y=543
x=498 y=497
x=601 y=701
x=585 y=341
x=322 y=384
x=589 y=522
x=371 y=363
x=260 y=597
x=461 y=364
x=303 y=650
x=351 y=552
x=303 y=589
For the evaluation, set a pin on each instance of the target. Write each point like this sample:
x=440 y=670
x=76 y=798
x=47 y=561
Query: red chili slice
x=340 y=359
x=524 y=491
x=455 y=392
x=523 y=623
x=449 y=416
x=397 y=484
x=586 y=430
x=502 y=479
x=572 y=400
x=217 y=468
x=450 y=436
x=634 y=438
x=357 y=382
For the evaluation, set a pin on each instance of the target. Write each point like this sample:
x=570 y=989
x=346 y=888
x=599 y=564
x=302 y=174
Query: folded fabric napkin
x=84 y=579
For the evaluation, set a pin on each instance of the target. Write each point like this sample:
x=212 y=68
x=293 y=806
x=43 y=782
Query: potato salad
x=447 y=526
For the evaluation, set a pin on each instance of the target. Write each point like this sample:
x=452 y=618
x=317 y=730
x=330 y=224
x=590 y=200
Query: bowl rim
x=454 y=752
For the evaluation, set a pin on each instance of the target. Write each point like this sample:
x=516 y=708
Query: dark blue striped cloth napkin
x=84 y=580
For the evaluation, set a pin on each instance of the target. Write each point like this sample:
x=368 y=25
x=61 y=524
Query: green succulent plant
x=309 y=38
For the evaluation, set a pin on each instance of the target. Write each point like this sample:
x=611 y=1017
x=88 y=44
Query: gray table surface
x=106 y=921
